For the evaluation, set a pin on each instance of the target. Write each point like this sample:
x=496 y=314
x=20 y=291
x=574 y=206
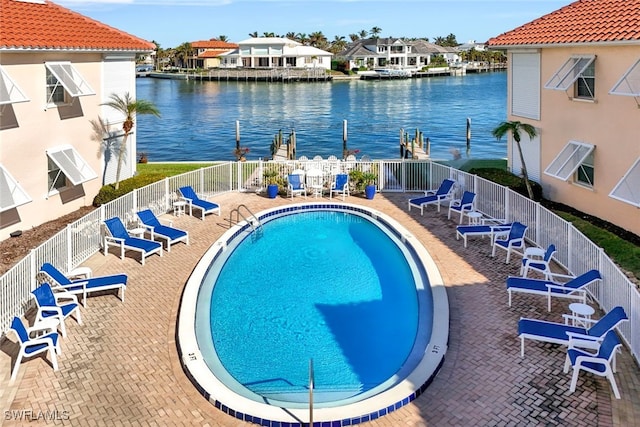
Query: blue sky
x=172 y=22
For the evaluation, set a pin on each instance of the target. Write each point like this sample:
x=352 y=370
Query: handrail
x=311 y=385
x=253 y=220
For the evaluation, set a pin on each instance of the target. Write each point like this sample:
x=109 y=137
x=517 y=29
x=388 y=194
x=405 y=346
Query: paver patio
x=121 y=367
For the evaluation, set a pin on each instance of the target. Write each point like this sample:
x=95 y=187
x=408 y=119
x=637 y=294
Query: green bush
x=510 y=180
x=109 y=193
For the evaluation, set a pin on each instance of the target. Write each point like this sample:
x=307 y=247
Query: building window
x=66 y=168
x=64 y=82
x=585 y=86
x=55 y=91
x=577 y=72
x=57 y=179
x=584 y=173
x=573 y=161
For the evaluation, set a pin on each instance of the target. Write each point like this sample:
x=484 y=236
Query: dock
x=415 y=148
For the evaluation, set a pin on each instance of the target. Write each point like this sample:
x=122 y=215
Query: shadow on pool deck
x=121 y=367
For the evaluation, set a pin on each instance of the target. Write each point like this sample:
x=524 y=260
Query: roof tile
x=45 y=25
x=583 y=21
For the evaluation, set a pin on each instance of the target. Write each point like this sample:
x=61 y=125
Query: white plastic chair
x=32 y=346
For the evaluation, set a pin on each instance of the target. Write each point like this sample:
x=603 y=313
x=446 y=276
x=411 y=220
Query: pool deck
x=121 y=367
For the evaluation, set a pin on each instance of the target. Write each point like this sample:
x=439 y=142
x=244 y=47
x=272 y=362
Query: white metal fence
x=83 y=238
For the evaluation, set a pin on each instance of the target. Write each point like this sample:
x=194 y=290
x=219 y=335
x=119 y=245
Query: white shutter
x=525 y=85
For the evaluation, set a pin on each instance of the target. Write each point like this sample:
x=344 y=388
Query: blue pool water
x=328 y=286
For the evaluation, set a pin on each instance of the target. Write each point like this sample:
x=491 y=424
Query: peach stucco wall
x=23 y=145
x=611 y=124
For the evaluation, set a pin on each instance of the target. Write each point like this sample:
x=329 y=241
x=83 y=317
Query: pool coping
x=368 y=409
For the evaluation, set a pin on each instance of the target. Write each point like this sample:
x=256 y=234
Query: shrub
x=506 y=178
x=108 y=192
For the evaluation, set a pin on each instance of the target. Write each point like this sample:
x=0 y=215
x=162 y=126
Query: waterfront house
x=206 y=53
x=56 y=69
x=574 y=74
x=275 y=52
x=395 y=53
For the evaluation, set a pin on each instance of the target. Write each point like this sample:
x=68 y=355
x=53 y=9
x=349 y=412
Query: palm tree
x=375 y=32
x=338 y=44
x=363 y=34
x=223 y=38
x=515 y=127
x=129 y=108
x=254 y=34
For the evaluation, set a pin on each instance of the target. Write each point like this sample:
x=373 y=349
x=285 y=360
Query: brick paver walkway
x=120 y=367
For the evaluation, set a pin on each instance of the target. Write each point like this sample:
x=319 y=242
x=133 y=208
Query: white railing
x=83 y=238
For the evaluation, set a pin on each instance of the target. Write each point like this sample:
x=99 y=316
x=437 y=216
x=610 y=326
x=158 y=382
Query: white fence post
x=69 y=247
x=167 y=195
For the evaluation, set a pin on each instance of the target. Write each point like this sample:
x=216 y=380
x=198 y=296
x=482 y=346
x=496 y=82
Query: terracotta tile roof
x=584 y=21
x=212 y=53
x=45 y=25
x=213 y=44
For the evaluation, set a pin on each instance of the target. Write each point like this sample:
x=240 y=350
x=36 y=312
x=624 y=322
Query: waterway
x=198 y=119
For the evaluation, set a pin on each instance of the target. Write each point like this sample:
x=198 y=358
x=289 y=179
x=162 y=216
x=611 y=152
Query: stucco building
x=574 y=74
x=56 y=69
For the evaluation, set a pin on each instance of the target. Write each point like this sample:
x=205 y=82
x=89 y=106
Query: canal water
x=198 y=119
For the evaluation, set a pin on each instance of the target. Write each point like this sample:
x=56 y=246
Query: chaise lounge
x=189 y=195
x=157 y=229
x=85 y=286
x=117 y=235
x=573 y=289
x=559 y=333
x=442 y=194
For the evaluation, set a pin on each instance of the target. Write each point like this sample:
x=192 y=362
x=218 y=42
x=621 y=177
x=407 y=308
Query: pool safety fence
x=575 y=252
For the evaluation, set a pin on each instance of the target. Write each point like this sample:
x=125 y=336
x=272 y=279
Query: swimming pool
x=376 y=337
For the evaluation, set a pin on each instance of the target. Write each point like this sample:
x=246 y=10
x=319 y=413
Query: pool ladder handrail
x=253 y=220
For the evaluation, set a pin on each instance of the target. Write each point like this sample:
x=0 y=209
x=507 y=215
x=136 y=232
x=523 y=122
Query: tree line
x=178 y=56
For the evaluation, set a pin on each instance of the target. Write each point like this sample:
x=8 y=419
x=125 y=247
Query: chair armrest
x=111 y=239
x=42 y=340
x=568 y=317
x=64 y=295
x=562 y=287
x=582 y=341
x=166 y=222
x=495 y=222
x=568 y=277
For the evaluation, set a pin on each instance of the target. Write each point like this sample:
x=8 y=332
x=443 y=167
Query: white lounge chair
x=573 y=289
x=85 y=286
x=559 y=333
x=32 y=346
x=601 y=364
x=58 y=305
x=340 y=185
x=189 y=195
x=295 y=185
x=442 y=194
x=165 y=232
x=462 y=205
x=510 y=241
x=118 y=236
x=541 y=265
x=490 y=227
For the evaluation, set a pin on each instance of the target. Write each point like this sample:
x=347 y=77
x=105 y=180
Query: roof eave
x=561 y=45
x=14 y=49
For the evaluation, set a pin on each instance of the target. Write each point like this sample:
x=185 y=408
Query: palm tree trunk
x=123 y=148
x=524 y=171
